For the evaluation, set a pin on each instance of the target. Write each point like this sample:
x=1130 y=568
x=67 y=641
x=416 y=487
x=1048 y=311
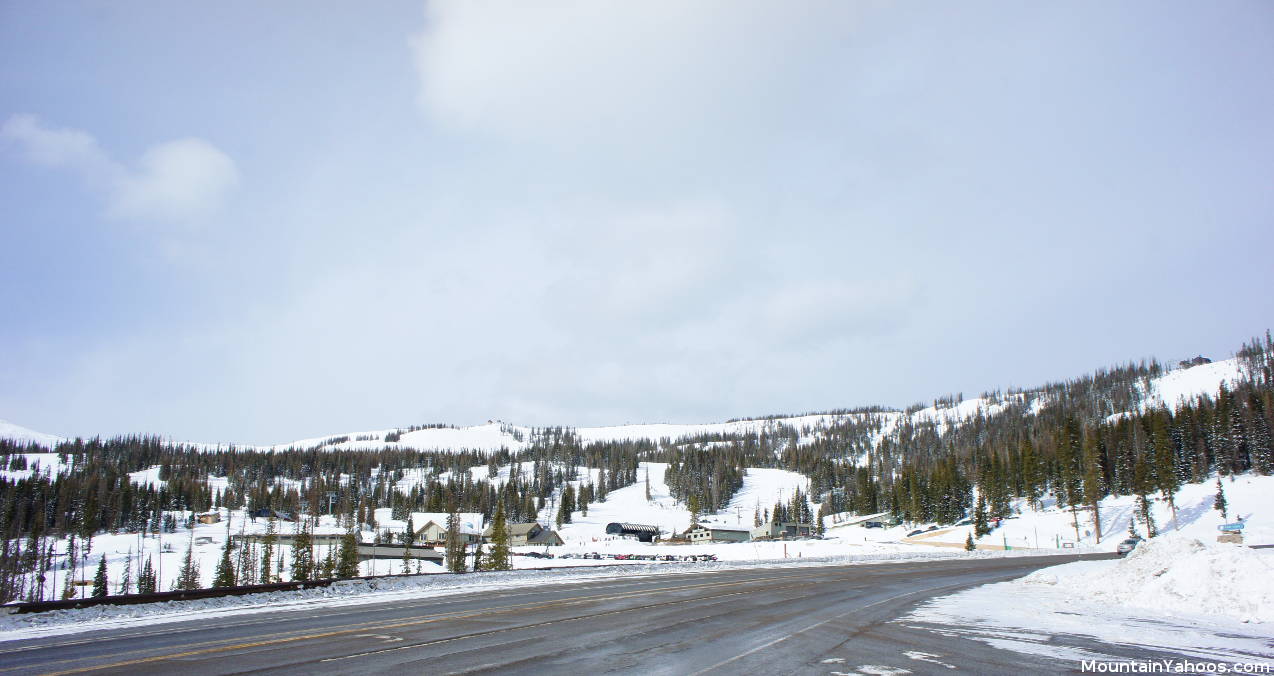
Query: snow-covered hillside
x=21 y=434
x=1173 y=388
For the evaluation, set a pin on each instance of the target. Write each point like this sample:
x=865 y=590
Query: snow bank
x=1177 y=596
x=1178 y=575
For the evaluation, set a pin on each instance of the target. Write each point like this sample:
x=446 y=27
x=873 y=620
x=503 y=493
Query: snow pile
x=1178 y=575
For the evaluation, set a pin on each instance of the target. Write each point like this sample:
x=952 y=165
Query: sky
x=254 y=223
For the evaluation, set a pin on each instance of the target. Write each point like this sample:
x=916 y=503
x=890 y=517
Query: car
x=914 y=533
x=931 y=528
x=874 y=524
x=1128 y=545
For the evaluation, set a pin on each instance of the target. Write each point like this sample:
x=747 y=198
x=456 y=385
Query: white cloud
x=176 y=182
x=582 y=72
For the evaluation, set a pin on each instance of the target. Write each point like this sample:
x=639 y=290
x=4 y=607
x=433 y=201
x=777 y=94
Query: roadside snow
x=1174 y=594
x=1180 y=575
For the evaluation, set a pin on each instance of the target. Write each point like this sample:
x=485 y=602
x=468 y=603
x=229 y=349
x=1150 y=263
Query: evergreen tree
x=1166 y=478
x=328 y=569
x=303 y=567
x=500 y=557
x=980 y=524
x=568 y=503
x=1219 y=503
x=68 y=588
x=968 y=543
x=455 y=548
x=224 y=576
x=267 y=553
x=146 y=582
x=100 y=585
x=188 y=575
x=348 y=564
x=1093 y=488
x=126 y=584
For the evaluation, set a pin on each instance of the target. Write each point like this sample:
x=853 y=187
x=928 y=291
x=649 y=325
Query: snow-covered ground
x=1051 y=528
x=1175 y=593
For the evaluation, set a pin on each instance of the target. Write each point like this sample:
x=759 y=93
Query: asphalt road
x=775 y=621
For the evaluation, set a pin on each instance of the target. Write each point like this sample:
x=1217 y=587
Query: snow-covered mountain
x=1171 y=389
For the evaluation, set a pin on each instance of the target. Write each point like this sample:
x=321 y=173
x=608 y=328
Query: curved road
x=816 y=620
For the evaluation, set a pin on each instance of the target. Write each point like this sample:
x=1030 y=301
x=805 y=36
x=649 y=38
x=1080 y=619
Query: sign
x=1229 y=527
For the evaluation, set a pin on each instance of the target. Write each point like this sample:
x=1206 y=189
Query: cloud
x=582 y=73
x=176 y=182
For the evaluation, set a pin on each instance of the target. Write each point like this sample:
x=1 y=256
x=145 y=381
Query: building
x=432 y=528
x=286 y=539
x=642 y=532
x=521 y=534
x=705 y=533
x=396 y=553
x=783 y=529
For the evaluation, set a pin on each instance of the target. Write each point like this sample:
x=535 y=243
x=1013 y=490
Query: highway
x=815 y=620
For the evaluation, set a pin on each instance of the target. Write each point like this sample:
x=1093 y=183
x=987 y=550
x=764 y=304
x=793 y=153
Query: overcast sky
x=256 y=222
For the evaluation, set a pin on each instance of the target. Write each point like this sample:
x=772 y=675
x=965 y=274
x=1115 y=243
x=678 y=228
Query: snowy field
x=1209 y=601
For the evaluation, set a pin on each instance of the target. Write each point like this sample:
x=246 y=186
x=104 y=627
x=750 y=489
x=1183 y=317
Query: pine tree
x=100 y=585
x=980 y=524
x=968 y=543
x=68 y=589
x=303 y=568
x=455 y=548
x=126 y=584
x=568 y=504
x=1166 y=478
x=328 y=570
x=146 y=582
x=224 y=576
x=267 y=553
x=348 y=564
x=1032 y=478
x=188 y=575
x=1219 y=504
x=499 y=557
x=1093 y=488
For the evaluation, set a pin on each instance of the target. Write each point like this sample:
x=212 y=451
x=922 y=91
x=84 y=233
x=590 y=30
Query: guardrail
x=216 y=592
x=159 y=597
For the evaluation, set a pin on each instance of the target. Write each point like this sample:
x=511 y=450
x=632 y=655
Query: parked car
x=1128 y=545
x=874 y=524
x=931 y=528
x=914 y=533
